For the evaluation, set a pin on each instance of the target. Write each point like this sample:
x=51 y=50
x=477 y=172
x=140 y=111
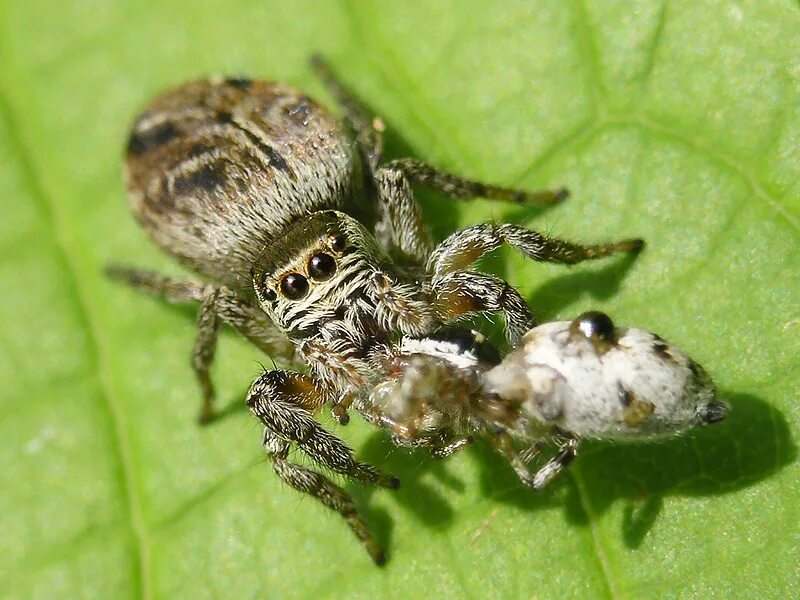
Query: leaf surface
x=676 y=122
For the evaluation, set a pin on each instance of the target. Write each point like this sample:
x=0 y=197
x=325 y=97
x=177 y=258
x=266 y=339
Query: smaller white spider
x=564 y=381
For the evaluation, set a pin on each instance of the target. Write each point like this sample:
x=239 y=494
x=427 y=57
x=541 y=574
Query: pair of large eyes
x=294 y=286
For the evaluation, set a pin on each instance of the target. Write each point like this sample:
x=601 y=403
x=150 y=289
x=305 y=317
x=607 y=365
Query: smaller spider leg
x=224 y=305
x=235 y=310
x=567 y=452
x=284 y=402
x=503 y=443
x=400 y=225
x=368 y=129
x=439 y=446
x=464 y=292
x=530 y=452
x=181 y=291
x=451 y=447
x=334 y=365
x=315 y=484
x=466 y=246
x=460 y=188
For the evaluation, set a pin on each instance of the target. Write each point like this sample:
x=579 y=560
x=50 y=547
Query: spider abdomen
x=217 y=169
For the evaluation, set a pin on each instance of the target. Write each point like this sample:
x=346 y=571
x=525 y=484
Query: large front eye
x=294 y=286
x=321 y=266
x=598 y=328
x=595 y=324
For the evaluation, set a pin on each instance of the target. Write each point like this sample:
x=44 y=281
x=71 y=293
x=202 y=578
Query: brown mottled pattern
x=215 y=170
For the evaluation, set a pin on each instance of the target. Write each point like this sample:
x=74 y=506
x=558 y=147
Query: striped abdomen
x=217 y=169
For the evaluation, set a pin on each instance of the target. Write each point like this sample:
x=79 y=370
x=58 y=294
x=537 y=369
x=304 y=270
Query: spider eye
x=269 y=294
x=321 y=266
x=338 y=243
x=595 y=326
x=294 y=286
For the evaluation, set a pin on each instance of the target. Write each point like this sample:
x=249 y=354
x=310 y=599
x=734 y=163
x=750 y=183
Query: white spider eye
x=633 y=385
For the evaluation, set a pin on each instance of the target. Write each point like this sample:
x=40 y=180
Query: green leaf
x=678 y=122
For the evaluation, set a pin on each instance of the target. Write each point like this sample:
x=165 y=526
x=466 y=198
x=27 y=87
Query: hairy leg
x=568 y=450
x=461 y=188
x=464 y=292
x=216 y=305
x=466 y=246
x=235 y=310
x=205 y=345
x=315 y=484
x=285 y=402
x=440 y=446
x=503 y=443
x=400 y=228
x=400 y=306
x=400 y=225
x=174 y=291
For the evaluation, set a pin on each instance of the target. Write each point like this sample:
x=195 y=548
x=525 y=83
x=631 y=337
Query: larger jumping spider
x=317 y=252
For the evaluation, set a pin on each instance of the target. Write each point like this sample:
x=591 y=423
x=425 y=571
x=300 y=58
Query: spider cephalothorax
x=327 y=277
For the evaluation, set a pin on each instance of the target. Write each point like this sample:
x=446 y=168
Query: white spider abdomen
x=627 y=384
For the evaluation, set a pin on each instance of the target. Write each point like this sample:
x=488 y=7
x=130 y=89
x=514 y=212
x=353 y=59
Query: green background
x=675 y=121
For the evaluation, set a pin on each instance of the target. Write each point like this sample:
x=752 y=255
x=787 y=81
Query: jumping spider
x=317 y=253
x=564 y=381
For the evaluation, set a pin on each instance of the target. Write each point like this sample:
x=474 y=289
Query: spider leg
x=466 y=246
x=451 y=447
x=216 y=305
x=315 y=484
x=461 y=188
x=464 y=292
x=205 y=345
x=400 y=227
x=441 y=445
x=566 y=454
x=284 y=401
x=367 y=128
x=400 y=305
x=568 y=450
x=173 y=290
x=400 y=224
x=503 y=443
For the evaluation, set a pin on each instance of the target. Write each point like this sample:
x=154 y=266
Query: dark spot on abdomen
x=696 y=369
x=204 y=178
x=661 y=350
x=274 y=158
x=626 y=397
x=142 y=141
x=242 y=83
